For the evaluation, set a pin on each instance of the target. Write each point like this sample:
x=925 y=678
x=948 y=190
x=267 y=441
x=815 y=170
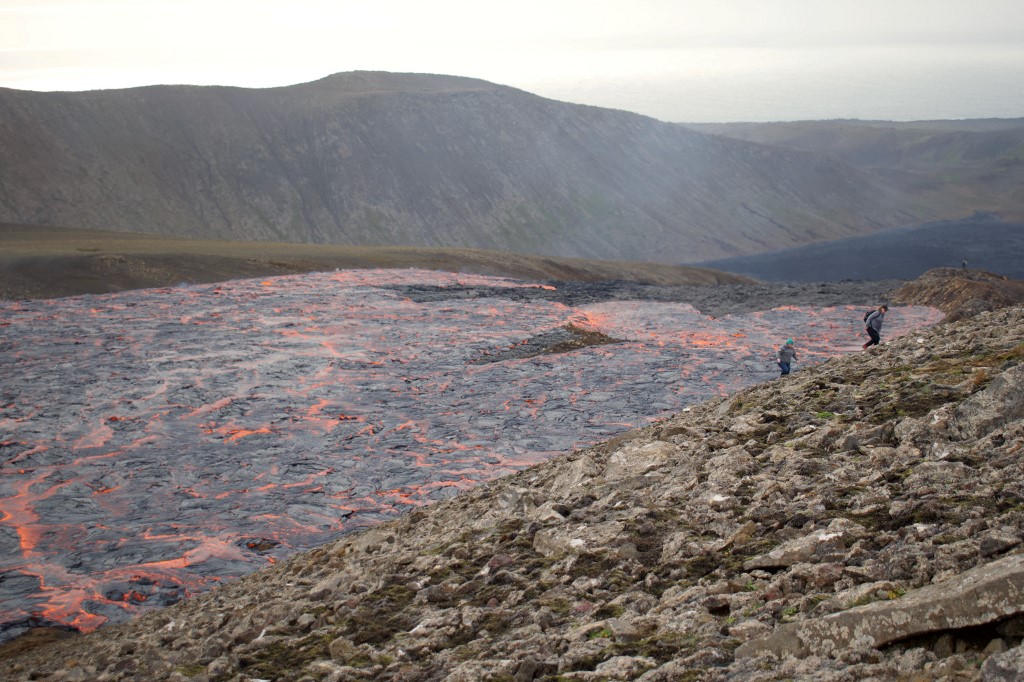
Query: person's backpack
x=867 y=315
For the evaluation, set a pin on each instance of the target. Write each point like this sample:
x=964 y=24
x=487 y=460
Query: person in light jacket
x=873 y=326
x=786 y=356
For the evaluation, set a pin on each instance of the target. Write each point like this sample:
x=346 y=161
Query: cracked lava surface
x=154 y=443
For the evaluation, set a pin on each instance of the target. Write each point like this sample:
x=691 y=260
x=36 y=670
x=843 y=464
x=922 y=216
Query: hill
x=977 y=163
x=425 y=161
x=983 y=241
x=860 y=519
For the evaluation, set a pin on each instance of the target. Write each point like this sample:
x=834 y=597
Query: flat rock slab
x=979 y=596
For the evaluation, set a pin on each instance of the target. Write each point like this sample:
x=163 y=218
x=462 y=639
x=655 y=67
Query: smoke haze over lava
x=154 y=443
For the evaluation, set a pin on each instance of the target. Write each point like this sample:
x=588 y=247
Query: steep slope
x=861 y=519
x=416 y=160
x=973 y=164
x=869 y=144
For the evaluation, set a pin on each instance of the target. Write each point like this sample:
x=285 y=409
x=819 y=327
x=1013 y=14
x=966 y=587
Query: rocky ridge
x=860 y=519
x=961 y=293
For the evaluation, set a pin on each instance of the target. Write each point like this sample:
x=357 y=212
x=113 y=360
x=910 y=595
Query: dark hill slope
x=417 y=160
x=902 y=253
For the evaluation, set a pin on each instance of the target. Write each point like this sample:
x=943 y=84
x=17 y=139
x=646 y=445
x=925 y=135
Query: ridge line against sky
x=702 y=60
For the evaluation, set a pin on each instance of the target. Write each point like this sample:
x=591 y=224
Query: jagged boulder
x=982 y=595
x=1001 y=403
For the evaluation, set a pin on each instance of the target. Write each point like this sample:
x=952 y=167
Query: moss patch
x=285 y=660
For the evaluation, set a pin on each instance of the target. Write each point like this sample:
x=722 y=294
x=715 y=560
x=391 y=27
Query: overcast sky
x=684 y=60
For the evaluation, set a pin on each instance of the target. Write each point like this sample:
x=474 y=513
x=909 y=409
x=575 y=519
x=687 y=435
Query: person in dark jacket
x=786 y=356
x=873 y=326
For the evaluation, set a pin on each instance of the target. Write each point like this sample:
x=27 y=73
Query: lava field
x=154 y=443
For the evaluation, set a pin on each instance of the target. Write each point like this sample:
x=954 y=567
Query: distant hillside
x=905 y=253
x=46 y=262
x=978 y=164
x=418 y=160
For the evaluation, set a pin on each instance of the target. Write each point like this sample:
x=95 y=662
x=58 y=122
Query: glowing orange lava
x=158 y=442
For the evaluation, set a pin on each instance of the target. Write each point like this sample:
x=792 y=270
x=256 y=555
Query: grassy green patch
x=560 y=606
x=702 y=565
x=380 y=615
x=870 y=598
x=592 y=565
x=609 y=611
x=661 y=648
x=285 y=660
x=191 y=669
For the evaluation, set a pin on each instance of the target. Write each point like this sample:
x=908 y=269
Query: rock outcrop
x=961 y=293
x=861 y=519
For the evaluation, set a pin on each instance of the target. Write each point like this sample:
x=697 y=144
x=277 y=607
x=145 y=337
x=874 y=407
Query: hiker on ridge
x=873 y=326
x=785 y=356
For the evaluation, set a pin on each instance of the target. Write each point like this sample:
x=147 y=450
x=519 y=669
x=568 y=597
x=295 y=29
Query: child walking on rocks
x=786 y=356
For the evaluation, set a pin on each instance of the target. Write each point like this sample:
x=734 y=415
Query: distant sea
x=923 y=82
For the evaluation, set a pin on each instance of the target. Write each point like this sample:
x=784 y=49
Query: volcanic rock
x=985 y=594
x=861 y=519
x=961 y=293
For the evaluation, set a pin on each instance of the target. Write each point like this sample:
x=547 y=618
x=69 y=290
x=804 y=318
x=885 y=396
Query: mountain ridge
x=372 y=158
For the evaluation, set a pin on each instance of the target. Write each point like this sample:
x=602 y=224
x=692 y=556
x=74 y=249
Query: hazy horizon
x=702 y=61
x=873 y=88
